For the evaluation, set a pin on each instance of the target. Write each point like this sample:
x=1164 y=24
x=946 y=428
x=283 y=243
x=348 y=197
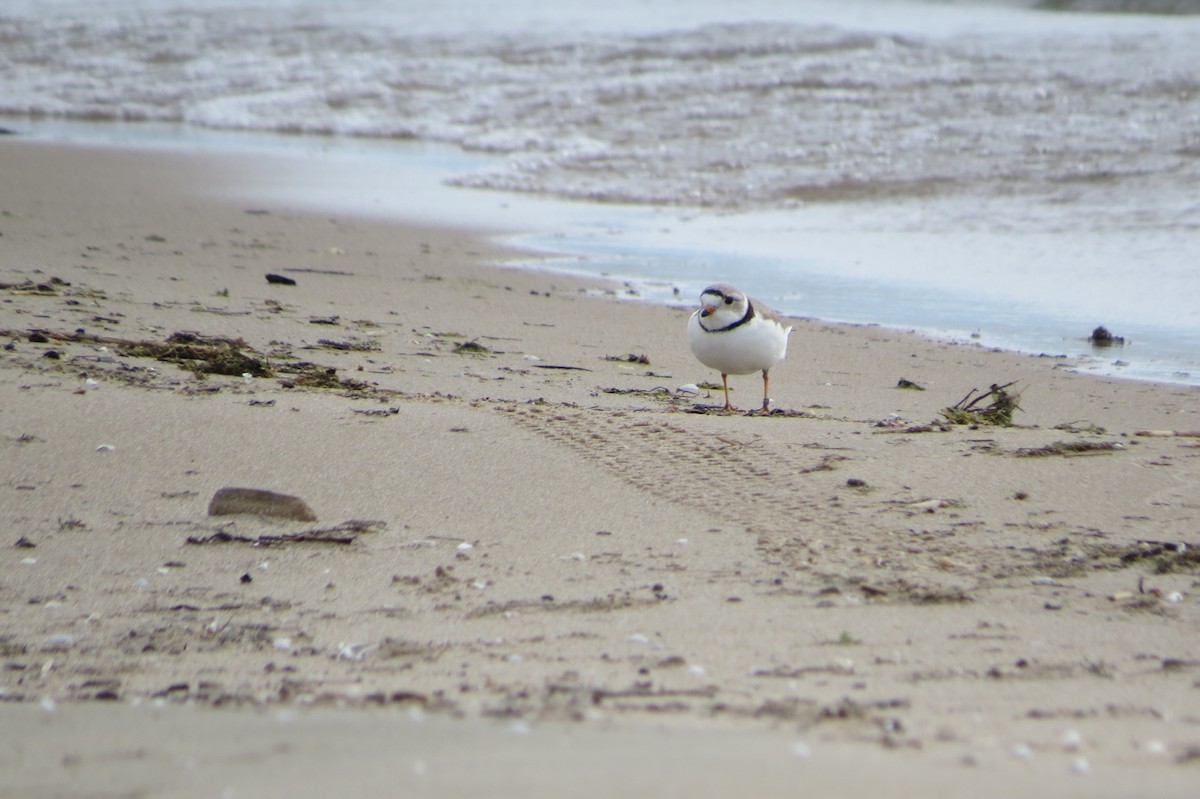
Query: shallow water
x=954 y=168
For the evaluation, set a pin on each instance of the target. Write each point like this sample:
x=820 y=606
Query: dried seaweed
x=201 y=354
x=472 y=348
x=50 y=288
x=1069 y=448
x=353 y=345
x=630 y=358
x=311 y=375
x=344 y=533
x=998 y=412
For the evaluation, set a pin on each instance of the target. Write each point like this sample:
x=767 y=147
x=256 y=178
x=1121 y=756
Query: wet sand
x=535 y=567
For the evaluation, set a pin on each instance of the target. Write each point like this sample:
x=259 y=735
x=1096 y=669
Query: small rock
x=282 y=280
x=256 y=501
x=1102 y=338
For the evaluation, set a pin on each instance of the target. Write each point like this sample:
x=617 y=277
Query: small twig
x=637 y=693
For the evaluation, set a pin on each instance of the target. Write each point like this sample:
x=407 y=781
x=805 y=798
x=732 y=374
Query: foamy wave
x=719 y=115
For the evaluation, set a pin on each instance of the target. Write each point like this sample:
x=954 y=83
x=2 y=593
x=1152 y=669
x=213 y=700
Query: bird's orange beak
x=707 y=310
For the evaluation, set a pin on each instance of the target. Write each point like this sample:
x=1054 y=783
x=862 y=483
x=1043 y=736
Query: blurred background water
x=1010 y=174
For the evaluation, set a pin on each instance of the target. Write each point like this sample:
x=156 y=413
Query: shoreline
x=353 y=179
x=547 y=537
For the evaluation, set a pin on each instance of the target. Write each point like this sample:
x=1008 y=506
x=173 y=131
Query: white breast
x=753 y=347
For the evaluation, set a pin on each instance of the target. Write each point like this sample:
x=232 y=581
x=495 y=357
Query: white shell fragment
x=353 y=651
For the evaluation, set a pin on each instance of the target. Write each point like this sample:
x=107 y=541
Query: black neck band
x=746 y=317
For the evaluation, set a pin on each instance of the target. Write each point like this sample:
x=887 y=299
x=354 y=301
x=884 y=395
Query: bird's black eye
x=729 y=300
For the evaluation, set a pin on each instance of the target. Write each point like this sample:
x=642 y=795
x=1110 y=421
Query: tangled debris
x=49 y=288
x=471 y=347
x=1069 y=448
x=1163 y=557
x=997 y=413
x=352 y=345
x=204 y=355
x=201 y=354
x=311 y=375
x=344 y=533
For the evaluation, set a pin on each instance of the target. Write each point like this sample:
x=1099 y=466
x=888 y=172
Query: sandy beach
x=535 y=565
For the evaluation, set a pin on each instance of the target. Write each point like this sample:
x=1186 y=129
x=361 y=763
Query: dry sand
x=557 y=579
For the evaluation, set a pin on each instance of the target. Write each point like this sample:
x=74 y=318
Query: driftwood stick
x=345 y=533
x=966 y=397
x=993 y=391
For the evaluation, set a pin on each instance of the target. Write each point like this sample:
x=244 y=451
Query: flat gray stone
x=229 y=500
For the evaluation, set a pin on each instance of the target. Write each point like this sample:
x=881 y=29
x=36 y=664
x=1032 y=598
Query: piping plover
x=737 y=335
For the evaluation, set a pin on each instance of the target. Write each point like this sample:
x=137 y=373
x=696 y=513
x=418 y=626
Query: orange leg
x=725 y=382
x=766 y=390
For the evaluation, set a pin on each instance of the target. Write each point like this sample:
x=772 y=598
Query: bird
x=737 y=335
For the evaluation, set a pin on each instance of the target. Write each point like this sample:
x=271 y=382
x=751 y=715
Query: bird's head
x=721 y=305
